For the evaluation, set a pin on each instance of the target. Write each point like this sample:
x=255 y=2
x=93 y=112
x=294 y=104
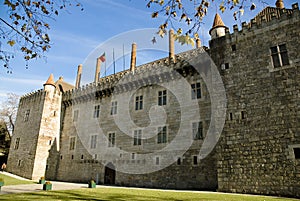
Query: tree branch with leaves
x=26 y=26
x=192 y=13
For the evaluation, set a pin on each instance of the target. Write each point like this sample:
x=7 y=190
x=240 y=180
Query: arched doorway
x=109 y=174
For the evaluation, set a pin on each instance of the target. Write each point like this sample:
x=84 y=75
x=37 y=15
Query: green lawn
x=118 y=194
x=12 y=181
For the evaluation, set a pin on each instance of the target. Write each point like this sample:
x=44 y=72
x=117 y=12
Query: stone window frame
x=137 y=137
x=196 y=136
x=194 y=90
x=26 y=116
x=157 y=160
x=97 y=110
x=17 y=143
x=162 y=97
x=75 y=115
x=93 y=141
x=133 y=156
x=72 y=143
x=291 y=154
x=281 y=54
x=114 y=108
x=139 y=102
x=111 y=139
x=160 y=140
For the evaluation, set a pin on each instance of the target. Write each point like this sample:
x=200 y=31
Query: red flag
x=102 y=57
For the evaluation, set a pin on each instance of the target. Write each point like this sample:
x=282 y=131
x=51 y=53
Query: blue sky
x=78 y=34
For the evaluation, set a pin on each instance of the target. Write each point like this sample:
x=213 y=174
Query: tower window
x=178 y=161
x=279 y=55
x=233 y=47
x=195 y=160
x=26 y=117
x=297 y=153
x=17 y=143
x=243 y=114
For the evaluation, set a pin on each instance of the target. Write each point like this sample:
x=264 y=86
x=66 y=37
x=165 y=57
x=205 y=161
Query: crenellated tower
x=37 y=131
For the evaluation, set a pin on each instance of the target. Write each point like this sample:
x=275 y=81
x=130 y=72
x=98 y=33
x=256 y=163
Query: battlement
x=267 y=17
x=32 y=96
x=145 y=74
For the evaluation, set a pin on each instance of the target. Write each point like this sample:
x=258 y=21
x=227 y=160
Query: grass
x=13 y=181
x=120 y=194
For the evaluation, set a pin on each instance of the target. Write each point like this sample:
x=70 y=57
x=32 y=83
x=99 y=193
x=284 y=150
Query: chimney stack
x=97 y=73
x=133 y=57
x=171 y=47
x=78 y=79
x=198 y=43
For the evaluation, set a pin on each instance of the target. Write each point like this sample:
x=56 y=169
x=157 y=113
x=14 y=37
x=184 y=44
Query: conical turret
x=218 y=29
x=280 y=4
x=50 y=81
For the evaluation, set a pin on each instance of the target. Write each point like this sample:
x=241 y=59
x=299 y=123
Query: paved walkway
x=23 y=188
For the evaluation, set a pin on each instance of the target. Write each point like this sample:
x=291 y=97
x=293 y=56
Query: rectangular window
x=178 y=161
x=133 y=156
x=111 y=139
x=297 y=153
x=72 y=143
x=93 y=141
x=17 y=143
x=114 y=107
x=279 y=55
x=197 y=130
x=195 y=160
x=96 y=111
x=196 y=90
x=26 y=117
x=75 y=115
x=230 y=116
x=162 y=97
x=162 y=135
x=157 y=160
x=137 y=138
x=243 y=114
x=138 y=102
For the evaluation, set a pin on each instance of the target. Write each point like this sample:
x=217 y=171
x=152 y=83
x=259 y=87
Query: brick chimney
x=78 y=79
x=133 y=58
x=171 y=47
x=97 y=73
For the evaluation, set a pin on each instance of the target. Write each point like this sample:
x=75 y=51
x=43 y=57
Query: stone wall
x=83 y=162
x=22 y=154
x=255 y=153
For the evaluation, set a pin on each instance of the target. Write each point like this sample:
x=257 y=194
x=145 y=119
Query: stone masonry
x=145 y=126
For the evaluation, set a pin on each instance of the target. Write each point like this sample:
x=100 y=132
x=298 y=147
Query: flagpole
x=114 y=61
x=105 y=70
x=123 y=58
